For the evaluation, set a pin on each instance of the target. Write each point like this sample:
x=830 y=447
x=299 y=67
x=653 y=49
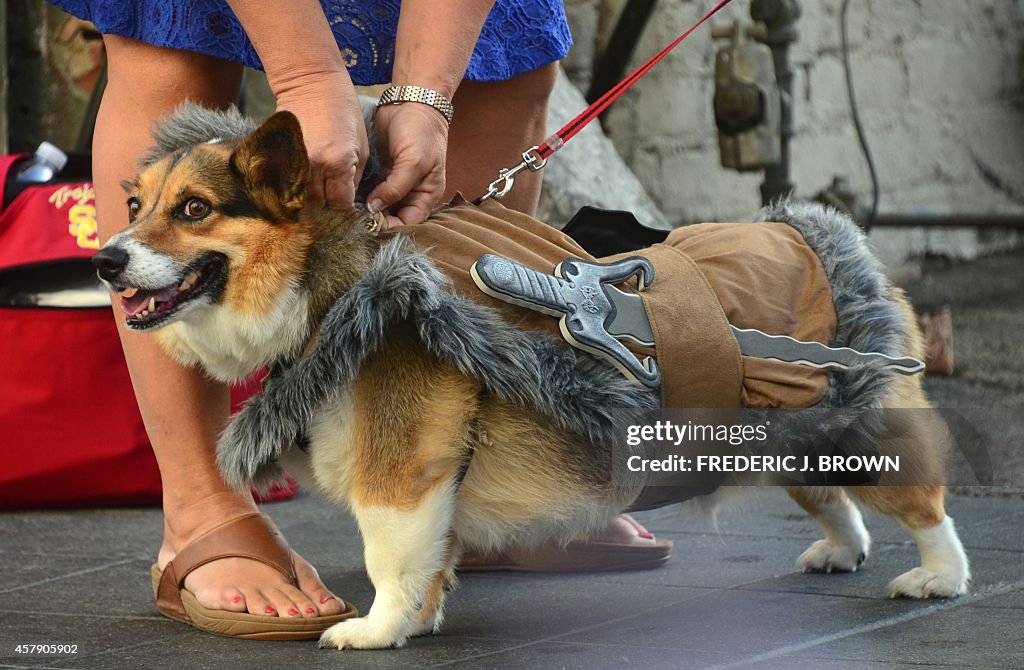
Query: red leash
x=535 y=158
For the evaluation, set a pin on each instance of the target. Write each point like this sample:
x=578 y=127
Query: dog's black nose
x=109 y=262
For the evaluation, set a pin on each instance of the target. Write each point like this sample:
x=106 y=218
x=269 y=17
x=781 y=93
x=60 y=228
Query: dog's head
x=213 y=223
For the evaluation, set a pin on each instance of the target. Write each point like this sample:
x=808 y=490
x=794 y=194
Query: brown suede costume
x=707 y=276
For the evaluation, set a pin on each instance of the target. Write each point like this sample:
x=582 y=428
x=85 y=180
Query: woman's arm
x=305 y=71
x=435 y=40
x=434 y=43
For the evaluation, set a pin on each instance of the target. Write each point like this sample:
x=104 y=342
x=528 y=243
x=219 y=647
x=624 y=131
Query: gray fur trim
x=192 y=124
x=574 y=391
x=868 y=319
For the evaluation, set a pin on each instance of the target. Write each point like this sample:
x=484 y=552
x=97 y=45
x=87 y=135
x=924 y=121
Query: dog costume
x=803 y=271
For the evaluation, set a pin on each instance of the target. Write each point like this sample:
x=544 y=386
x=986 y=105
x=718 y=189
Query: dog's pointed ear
x=272 y=162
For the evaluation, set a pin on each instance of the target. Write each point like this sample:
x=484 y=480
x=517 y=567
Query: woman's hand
x=412 y=140
x=332 y=124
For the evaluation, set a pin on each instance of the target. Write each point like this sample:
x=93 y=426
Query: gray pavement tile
x=949 y=637
x=565 y=656
x=99 y=532
x=121 y=589
x=1009 y=601
x=745 y=622
x=533 y=607
x=197 y=651
x=96 y=637
x=23 y=571
x=791 y=663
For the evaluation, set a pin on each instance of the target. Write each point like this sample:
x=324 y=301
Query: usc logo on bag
x=81 y=215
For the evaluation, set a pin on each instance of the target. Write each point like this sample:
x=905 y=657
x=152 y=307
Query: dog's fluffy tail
x=868 y=312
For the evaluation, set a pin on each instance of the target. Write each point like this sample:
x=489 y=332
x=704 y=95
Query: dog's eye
x=196 y=208
x=133 y=208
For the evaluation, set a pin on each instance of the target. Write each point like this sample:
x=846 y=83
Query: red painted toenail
x=269 y=610
x=310 y=610
x=292 y=611
x=325 y=599
x=646 y=534
x=237 y=599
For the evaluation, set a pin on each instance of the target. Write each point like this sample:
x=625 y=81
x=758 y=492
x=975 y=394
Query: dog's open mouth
x=148 y=309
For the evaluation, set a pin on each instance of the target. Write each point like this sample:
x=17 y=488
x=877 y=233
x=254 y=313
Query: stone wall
x=54 y=64
x=940 y=84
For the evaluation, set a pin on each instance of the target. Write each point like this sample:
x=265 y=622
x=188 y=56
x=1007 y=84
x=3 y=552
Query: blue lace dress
x=519 y=36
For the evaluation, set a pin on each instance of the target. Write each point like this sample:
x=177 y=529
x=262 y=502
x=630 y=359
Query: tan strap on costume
x=253 y=536
x=699 y=357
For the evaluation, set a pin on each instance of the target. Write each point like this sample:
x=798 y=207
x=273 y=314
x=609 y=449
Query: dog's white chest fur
x=231 y=345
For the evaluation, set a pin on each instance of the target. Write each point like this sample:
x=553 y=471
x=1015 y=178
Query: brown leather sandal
x=577 y=556
x=252 y=536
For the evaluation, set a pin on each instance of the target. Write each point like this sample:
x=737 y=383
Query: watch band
x=395 y=95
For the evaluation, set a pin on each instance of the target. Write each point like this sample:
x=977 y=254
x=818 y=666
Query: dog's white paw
x=823 y=556
x=921 y=583
x=363 y=633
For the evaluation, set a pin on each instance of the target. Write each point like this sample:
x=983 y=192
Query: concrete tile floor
x=730 y=598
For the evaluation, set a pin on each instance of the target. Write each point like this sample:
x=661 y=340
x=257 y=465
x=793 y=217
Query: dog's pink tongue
x=134 y=304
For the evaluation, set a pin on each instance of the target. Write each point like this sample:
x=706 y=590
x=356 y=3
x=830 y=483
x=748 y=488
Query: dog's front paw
x=921 y=583
x=823 y=556
x=364 y=633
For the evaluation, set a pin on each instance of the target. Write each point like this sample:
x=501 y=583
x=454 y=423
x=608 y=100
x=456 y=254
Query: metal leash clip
x=501 y=186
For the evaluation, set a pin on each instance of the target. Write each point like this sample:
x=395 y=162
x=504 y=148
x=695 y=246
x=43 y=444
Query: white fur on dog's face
x=147 y=268
x=176 y=287
x=201 y=330
x=231 y=345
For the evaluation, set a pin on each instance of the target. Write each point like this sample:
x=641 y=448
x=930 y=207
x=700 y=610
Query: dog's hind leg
x=944 y=571
x=846 y=542
x=918 y=436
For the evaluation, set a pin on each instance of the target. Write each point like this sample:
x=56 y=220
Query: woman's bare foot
x=624 y=529
x=240 y=584
x=623 y=545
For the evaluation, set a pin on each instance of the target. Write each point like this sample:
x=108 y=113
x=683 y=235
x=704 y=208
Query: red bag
x=70 y=429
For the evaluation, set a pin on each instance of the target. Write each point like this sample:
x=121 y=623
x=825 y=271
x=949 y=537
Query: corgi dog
x=231 y=269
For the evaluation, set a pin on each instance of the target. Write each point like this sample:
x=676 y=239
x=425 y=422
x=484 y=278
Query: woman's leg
x=495 y=123
x=183 y=410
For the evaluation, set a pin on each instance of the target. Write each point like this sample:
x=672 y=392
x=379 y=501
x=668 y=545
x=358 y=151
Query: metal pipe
x=611 y=67
x=779 y=18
